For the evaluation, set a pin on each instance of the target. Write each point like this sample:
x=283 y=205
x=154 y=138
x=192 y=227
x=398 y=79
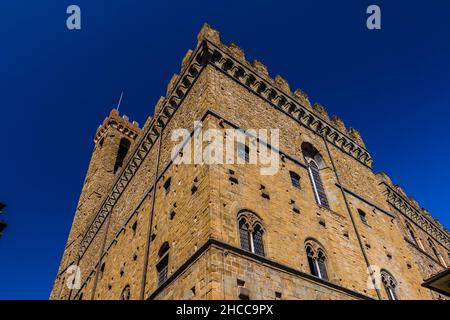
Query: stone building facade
x=325 y=226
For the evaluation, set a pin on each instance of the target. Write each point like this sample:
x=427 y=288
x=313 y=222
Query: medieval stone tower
x=149 y=228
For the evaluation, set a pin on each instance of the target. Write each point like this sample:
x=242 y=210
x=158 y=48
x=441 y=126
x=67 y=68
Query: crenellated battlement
x=277 y=91
x=120 y=123
x=397 y=197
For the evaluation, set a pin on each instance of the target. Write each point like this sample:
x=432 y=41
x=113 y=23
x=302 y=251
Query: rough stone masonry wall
x=191 y=220
x=346 y=264
x=100 y=175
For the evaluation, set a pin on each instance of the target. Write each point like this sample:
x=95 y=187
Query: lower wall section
x=220 y=271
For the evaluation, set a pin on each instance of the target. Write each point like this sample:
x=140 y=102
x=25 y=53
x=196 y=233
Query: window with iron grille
x=162 y=268
x=295 y=179
x=163 y=265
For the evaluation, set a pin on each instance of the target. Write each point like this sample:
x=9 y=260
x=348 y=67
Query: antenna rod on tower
x=120 y=101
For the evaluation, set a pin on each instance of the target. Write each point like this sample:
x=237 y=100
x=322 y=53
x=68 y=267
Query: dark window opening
x=251 y=234
x=317 y=262
x=162 y=267
x=167 y=185
x=295 y=179
x=134 y=228
x=244 y=235
x=258 y=240
x=363 y=217
x=124 y=146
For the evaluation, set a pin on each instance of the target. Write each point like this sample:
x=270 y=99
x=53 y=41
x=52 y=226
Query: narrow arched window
x=389 y=284
x=321 y=265
x=244 y=234
x=315 y=162
x=411 y=234
x=316 y=260
x=162 y=266
x=251 y=233
x=311 y=261
x=258 y=240
x=124 y=146
x=126 y=293
x=436 y=253
x=316 y=180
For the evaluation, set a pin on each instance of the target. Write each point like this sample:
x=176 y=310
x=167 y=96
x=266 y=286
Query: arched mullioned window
x=315 y=162
x=389 y=284
x=436 y=253
x=411 y=234
x=162 y=266
x=126 y=293
x=317 y=259
x=124 y=146
x=251 y=233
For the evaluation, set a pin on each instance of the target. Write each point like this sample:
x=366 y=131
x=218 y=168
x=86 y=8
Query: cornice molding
x=402 y=205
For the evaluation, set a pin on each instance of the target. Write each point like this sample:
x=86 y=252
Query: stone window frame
x=317 y=259
x=253 y=224
x=390 y=284
x=315 y=164
x=162 y=266
x=436 y=253
x=122 y=152
x=412 y=235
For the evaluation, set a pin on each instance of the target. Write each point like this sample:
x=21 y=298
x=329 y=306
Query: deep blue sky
x=56 y=87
